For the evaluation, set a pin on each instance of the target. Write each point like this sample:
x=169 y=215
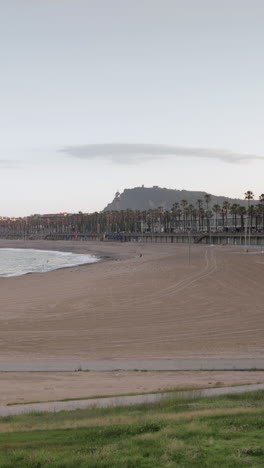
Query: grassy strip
x=225 y=431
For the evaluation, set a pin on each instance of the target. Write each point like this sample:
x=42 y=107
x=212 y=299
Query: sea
x=16 y=262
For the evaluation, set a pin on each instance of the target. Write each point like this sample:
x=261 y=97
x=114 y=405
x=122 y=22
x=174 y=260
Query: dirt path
x=62 y=365
x=21 y=387
x=122 y=401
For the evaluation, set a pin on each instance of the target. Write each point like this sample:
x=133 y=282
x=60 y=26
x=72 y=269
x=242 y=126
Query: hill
x=145 y=198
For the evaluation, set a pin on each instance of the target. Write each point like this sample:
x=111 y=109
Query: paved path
x=62 y=365
x=122 y=401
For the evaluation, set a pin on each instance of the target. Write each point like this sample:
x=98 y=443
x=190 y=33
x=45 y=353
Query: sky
x=101 y=95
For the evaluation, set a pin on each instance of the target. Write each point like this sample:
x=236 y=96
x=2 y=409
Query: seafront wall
x=256 y=239
x=213 y=238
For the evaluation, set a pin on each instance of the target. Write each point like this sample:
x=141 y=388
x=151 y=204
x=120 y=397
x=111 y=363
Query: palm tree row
x=183 y=217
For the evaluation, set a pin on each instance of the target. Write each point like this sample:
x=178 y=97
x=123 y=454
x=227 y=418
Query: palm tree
x=149 y=220
x=233 y=211
x=249 y=196
x=194 y=217
x=160 y=212
x=241 y=212
x=184 y=204
x=144 y=221
x=179 y=214
x=175 y=208
x=167 y=218
x=216 y=210
x=259 y=211
x=208 y=199
x=190 y=214
x=202 y=216
x=209 y=215
x=154 y=219
x=251 y=212
x=200 y=204
x=225 y=209
x=261 y=199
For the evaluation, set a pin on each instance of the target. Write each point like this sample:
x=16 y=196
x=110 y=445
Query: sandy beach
x=152 y=307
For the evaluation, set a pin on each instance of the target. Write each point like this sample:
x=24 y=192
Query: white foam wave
x=17 y=262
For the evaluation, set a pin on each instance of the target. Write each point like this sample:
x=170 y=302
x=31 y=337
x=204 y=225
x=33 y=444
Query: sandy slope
x=156 y=306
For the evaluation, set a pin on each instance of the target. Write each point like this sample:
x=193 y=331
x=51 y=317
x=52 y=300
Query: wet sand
x=150 y=307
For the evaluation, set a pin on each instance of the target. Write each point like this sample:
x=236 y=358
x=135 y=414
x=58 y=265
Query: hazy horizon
x=102 y=95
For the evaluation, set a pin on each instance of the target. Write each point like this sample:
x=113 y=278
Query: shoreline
x=75 y=247
x=101 y=257
x=22 y=273
x=152 y=307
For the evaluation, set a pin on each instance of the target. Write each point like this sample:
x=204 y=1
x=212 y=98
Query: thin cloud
x=11 y=164
x=134 y=153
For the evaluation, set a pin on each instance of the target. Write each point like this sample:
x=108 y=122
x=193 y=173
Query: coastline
x=59 y=246
x=152 y=307
x=38 y=268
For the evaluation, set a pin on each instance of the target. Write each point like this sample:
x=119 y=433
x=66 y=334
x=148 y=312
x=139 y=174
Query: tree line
x=182 y=217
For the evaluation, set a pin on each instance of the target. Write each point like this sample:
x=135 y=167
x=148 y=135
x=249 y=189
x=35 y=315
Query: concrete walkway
x=55 y=407
x=63 y=365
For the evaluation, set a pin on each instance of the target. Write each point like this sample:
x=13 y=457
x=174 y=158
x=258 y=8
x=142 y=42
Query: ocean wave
x=18 y=262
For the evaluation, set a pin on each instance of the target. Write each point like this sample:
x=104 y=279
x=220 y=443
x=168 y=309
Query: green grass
x=205 y=432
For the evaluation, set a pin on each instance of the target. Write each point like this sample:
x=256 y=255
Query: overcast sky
x=100 y=95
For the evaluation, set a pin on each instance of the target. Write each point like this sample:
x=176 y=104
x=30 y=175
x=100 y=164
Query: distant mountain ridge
x=145 y=198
